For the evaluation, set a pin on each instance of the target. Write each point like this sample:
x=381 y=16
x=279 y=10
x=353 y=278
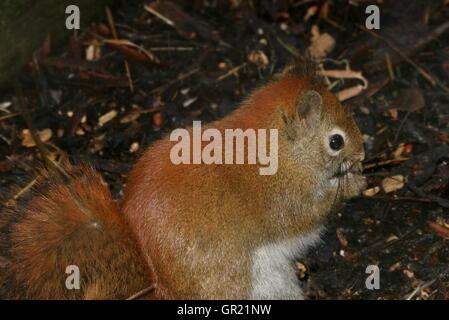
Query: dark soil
x=213 y=56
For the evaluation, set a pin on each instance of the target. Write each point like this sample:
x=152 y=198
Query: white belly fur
x=273 y=273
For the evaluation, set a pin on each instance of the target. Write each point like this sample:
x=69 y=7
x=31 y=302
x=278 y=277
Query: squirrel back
x=68 y=222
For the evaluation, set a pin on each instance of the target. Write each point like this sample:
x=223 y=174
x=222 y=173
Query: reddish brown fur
x=72 y=222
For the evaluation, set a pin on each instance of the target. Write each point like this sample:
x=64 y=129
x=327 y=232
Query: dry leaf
x=132 y=50
x=157 y=119
x=410 y=99
x=393 y=113
x=397 y=154
x=439 y=229
x=321 y=44
x=341 y=238
x=393 y=183
x=28 y=141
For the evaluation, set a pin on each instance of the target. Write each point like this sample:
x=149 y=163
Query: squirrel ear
x=309 y=108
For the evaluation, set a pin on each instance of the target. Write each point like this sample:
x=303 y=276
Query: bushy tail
x=65 y=225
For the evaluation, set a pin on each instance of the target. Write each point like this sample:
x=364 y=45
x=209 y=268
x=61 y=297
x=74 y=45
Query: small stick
x=420 y=70
x=293 y=51
x=114 y=34
x=233 y=71
x=8 y=116
x=382 y=163
x=142 y=292
x=172 y=48
x=25 y=189
x=396 y=137
x=390 y=67
x=180 y=77
x=160 y=16
x=29 y=122
x=406 y=199
x=51 y=165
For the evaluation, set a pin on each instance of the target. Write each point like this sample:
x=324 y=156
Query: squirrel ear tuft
x=309 y=108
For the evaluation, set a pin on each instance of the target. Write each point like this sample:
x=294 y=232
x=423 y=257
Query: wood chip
x=371 y=192
x=130 y=117
x=28 y=141
x=409 y=274
x=107 y=117
x=134 y=147
x=393 y=183
x=395 y=266
x=259 y=58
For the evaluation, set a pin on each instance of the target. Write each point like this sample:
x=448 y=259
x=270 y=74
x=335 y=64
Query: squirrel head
x=319 y=137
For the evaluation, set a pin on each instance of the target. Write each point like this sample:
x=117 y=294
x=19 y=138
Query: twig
x=24 y=189
x=293 y=51
x=180 y=77
x=409 y=199
x=396 y=137
x=160 y=16
x=389 y=65
x=233 y=71
x=172 y=48
x=420 y=70
x=142 y=292
x=420 y=288
x=441 y=201
x=427 y=284
x=119 y=42
x=382 y=163
x=8 y=116
x=29 y=122
x=114 y=34
x=379 y=245
x=51 y=165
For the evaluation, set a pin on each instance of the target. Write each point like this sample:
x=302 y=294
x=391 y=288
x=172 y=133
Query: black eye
x=336 y=142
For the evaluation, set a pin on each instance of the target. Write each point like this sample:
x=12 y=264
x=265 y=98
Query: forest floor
x=145 y=69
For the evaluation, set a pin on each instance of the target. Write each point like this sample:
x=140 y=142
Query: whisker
x=339 y=185
x=336 y=194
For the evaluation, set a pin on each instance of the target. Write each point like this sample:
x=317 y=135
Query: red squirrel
x=208 y=231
